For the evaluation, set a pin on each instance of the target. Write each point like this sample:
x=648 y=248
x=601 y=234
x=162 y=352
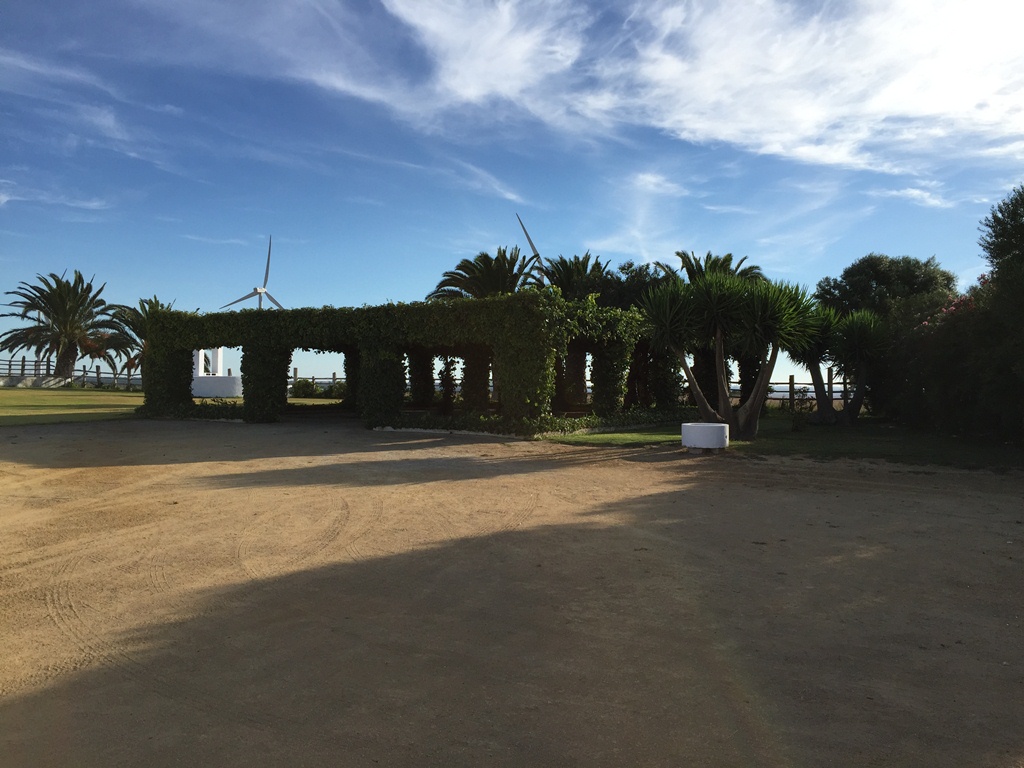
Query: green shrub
x=304 y=388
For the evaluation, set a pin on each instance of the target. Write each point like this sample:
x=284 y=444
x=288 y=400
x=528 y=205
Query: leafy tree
x=1002 y=233
x=814 y=354
x=859 y=344
x=66 y=319
x=757 y=317
x=901 y=292
x=485 y=275
x=697 y=269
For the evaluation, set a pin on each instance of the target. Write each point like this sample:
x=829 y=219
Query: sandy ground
x=220 y=594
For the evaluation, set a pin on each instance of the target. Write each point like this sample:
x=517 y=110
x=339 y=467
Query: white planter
x=701 y=436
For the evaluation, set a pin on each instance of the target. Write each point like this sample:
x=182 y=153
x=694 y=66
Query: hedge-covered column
x=608 y=376
x=422 y=389
x=476 y=369
x=527 y=377
x=167 y=384
x=352 y=366
x=264 y=381
x=381 y=386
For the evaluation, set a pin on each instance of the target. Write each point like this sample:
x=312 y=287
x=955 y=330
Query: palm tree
x=577 y=277
x=486 y=275
x=697 y=269
x=724 y=310
x=135 y=330
x=67 y=319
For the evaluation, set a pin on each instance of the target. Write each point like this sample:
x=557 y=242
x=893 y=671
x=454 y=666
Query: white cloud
x=657 y=184
x=477 y=178
x=864 y=88
x=10 y=191
x=915 y=195
x=890 y=85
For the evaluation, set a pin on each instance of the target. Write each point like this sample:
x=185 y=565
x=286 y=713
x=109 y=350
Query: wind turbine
x=260 y=291
x=533 y=247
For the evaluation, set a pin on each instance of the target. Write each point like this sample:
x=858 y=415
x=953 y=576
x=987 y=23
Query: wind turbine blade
x=273 y=300
x=247 y=296
x=532 y=246
x=266 y=275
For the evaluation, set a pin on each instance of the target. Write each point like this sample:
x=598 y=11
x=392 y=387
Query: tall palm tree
x=135 y=329
x=486 y=275
x=66 y=317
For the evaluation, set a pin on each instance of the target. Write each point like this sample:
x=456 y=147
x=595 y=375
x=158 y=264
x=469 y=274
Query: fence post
x=792 y=393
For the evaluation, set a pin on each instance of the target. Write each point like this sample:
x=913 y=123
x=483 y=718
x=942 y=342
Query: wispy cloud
x=887 y=85
x=657 y=184
x=11 y=192
x=915 y=195
x=471 y=176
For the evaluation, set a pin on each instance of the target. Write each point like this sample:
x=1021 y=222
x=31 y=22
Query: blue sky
x=158 y=143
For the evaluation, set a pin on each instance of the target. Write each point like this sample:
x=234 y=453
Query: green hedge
x=520 y=335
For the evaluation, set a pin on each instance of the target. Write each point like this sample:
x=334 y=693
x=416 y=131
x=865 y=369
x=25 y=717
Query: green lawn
x=867 y=440
x=22 y=405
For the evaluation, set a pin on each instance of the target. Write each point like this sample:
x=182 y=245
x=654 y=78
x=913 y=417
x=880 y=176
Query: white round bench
x=703 y=437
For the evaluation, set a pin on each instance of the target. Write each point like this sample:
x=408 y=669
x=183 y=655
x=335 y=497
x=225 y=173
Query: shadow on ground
x=736 y=628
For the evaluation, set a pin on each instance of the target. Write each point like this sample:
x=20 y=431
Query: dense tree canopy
x=1002 y=231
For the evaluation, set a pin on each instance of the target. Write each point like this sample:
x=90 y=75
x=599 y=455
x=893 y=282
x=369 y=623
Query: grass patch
x=24 y=405
x=869 y=439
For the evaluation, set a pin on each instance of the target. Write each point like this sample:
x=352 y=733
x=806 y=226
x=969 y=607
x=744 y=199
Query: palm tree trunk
x=824 y=411
x=707 y=413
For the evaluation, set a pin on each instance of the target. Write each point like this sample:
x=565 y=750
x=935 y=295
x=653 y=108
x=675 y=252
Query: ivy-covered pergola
x=519 y=335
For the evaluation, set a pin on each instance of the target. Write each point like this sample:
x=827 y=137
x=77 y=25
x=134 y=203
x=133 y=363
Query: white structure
x=704 y=436
x=214 y=383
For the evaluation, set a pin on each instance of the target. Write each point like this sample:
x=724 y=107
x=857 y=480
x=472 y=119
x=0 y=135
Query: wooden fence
x=24 y=368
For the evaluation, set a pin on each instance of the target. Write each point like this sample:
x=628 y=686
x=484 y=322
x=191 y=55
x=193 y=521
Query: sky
x=158 y=144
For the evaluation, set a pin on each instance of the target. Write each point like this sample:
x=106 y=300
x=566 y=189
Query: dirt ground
x=311 y=593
